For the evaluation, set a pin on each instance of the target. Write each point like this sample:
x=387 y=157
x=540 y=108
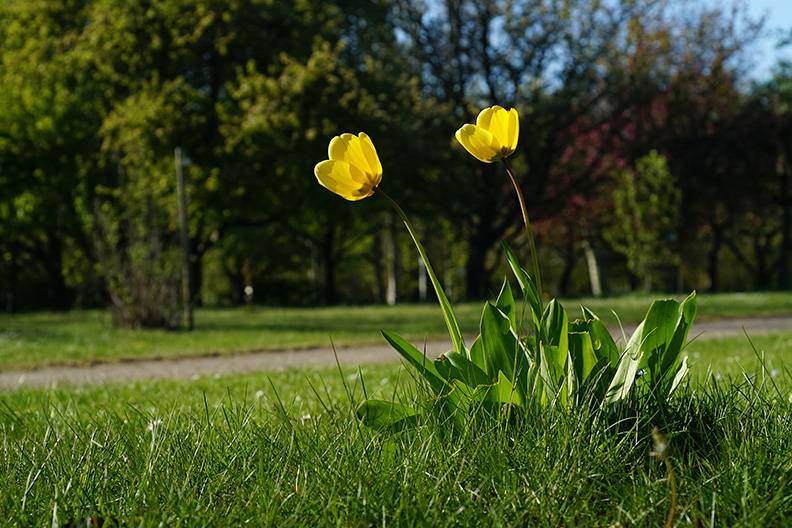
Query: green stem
x=445 y=305
x=528 y=230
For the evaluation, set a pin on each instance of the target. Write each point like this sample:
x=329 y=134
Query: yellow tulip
x=493 y=137
x=353 y=170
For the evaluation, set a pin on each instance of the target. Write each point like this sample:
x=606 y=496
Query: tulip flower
x=353 y=170
x=493 y=137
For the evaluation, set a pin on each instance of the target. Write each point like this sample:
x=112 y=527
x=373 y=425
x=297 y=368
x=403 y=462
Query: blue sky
x=779 y=17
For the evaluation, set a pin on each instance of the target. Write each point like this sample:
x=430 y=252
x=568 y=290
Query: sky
x=779 y=17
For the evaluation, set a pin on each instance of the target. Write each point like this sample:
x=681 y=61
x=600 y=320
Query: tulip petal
x=347 y=147
x=514 y=130
x=479 y=142
x=495 y=119
x=344 y=179
x=371 y=157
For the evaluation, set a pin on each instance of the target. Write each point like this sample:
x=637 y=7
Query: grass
x=285 y=450
x=38 y=339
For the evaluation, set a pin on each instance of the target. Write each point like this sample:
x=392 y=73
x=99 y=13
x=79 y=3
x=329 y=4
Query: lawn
x=37 y=339
x=284 y=450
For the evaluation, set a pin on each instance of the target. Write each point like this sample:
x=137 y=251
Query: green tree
x=646 y=212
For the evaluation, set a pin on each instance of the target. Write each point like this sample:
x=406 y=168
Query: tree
x=576 y=69
x=646 y=212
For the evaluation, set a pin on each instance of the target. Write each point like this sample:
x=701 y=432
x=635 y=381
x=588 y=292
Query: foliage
x=252 y=89
x=647 y=206
x=533 y=358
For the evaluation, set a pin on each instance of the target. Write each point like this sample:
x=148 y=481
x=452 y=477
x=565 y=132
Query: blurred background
x=655 y=149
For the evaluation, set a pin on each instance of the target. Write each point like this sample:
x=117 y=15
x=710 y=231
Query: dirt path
x=184 y=368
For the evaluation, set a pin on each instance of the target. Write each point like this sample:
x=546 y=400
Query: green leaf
x=657 y=345
x=527 y=285
x=601 y=339
x=454 y=366
x=385 y=415
x=666 y=329
x=581 y=351
x=680 y=375
x=555 y=328
x=622 y=382
x=571 y=384
x=476 y=354
x=673 y=352
x=500 y=344
x=502 y=392
x=445 y=306
x=418 y=360
x=505 y=303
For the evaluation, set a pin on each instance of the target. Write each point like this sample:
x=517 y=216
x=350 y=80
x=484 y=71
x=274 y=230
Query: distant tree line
x=649 y=157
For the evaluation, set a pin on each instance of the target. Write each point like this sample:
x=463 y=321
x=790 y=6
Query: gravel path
x=279 y=360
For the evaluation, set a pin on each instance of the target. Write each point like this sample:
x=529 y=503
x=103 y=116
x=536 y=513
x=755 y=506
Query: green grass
x=284 y=450
x=32 y=340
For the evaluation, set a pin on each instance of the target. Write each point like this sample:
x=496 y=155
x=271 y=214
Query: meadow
x=83 y=337
x=226 y=452
x=284 y=449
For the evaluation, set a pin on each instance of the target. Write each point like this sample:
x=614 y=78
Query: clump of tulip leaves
x=530 y=355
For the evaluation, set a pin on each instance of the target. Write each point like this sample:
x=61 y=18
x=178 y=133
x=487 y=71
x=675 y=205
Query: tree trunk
x=762 y=276
x=595 y=275
x=11 y=280
x=57 y=292
x=713 y=259
x=475 y=272
x=328 y=256
x=422 y=280
x=570 y=259
x=196 y=279
x=237 y=280
x=392 y=261
x=377 y=261
x=786 y=223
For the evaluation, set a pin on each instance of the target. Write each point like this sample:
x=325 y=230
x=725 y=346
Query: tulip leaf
x=604 y=345
x=454 y=366
x=445 y=306
x=505 y=303
x=555 y=328
x=581 y=353
x=680 y=375
x=418 y=360
x=476 y=354
x=501 y=392
x=501 y=346
x=385 y=415
x=527 y=285
x=623 y=380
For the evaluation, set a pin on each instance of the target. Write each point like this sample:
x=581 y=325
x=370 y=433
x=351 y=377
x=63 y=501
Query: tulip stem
x=445 y=305
x=528 y=230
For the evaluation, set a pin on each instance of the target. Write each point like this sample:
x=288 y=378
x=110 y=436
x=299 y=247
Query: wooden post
x=184 y=235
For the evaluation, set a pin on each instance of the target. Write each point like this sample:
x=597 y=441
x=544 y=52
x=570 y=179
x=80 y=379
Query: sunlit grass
x=80 y=337
x=284 y=450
